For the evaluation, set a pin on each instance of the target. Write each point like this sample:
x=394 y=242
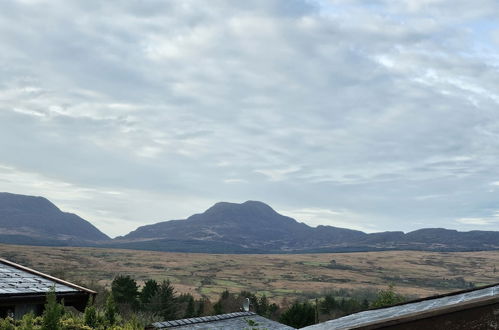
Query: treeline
x=127 y=306
x=159 y=302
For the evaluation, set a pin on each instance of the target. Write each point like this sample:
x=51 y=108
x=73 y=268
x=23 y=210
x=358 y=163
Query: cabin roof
x=19 y=280
x=417 y=309
x=239 y=320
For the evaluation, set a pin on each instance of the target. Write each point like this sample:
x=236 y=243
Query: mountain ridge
x=257 y=227
x=249 y=227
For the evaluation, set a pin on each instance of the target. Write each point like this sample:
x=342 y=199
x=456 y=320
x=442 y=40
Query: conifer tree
x=53 y=312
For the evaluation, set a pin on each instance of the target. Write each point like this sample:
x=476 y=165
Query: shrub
x=387 y=298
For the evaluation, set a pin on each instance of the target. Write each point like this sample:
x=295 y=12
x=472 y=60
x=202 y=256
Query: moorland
x=278 y=276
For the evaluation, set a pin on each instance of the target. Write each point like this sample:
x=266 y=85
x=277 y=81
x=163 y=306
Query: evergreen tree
x=190 y=309
x=164 y=301
x=148 y=291
x=110 y=310
x=125 y=290
x=329 y=304
x=263 y=306
x=53 y=312
x=299 y=315
x=90 y=314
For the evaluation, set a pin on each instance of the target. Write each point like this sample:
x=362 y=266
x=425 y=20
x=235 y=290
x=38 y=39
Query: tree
x=387 y=298
x=125 y=290
x=164 y=301
x=53 y=312
x=299 y=315
x=148 y=291
x=205 y=307
x=329 y=304
x=90 y=314
x=187 y=305
x=229 y=303
x=110 y=310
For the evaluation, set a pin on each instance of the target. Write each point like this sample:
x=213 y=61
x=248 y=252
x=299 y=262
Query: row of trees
x=162 y=303
x=127 y=306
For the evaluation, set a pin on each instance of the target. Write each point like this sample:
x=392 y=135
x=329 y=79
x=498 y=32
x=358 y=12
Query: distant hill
x=249 y=227
x=35 y=220
x=254 y=227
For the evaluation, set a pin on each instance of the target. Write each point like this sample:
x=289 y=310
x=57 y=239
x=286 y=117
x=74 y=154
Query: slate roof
x=231 y=321
x=414 y=310
x=19 y=280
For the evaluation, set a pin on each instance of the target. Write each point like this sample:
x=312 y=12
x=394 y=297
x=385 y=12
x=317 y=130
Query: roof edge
x=420 y=315
x=443 y=295
x=52 y=278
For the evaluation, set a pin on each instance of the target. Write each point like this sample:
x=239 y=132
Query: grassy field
x=278 y=276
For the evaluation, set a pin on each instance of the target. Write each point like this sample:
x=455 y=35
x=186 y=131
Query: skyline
x=373 y=117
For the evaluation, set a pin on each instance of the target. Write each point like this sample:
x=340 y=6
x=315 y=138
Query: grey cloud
x=331 y=105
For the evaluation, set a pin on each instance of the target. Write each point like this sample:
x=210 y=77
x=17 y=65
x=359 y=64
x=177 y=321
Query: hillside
x=35 y=220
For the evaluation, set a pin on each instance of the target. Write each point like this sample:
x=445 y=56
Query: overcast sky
x=373 y=115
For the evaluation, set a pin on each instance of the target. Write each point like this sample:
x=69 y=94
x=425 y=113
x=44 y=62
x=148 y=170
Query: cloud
x=323 y=105
x=344 y=218
x=478 y=221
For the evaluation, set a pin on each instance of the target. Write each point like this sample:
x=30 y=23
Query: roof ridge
x=201 y=319
x=49 y=277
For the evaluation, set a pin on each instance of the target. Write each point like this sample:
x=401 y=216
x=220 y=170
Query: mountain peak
x=254 y=207
x=9 y=201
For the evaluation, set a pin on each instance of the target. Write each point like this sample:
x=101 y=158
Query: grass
x=279 y=276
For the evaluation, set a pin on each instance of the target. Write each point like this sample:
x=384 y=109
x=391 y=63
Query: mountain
x=254 y=227
x=35 y=220
x=250 y=225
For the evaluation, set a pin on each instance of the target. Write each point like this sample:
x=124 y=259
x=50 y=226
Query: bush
x=74 y=323
x=7 y=323
x=387 y=298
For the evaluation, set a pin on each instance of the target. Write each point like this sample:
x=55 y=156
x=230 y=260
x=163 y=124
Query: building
x=463 y=310
x=24 y=290
x=239 y=320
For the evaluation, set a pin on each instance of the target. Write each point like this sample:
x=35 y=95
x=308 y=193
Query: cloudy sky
x=373 y=115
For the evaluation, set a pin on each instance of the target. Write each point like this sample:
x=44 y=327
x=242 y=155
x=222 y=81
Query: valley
x=279 y=276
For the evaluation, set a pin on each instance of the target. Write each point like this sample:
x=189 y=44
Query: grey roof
x=238 y=320
x=418 y=309
x=17 y=279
